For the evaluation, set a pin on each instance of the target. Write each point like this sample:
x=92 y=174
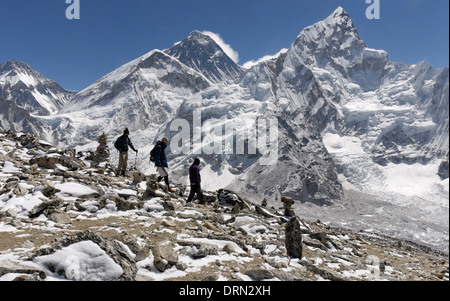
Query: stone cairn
x=264 y=203
x=293 y=242
x=288 y=209
x=102 y=152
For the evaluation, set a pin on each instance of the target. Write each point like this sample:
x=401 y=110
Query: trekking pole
x=135 y=162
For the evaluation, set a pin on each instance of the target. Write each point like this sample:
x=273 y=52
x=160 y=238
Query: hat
x=165 y=140
x=126 y=131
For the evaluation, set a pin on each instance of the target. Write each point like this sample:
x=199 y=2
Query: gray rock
x=60 y=218
x=20 y=190
x=45 y=207
x=259 y=274
x=314 y=243
x=206 y=250
x=7 y=266
x=50 y=190
x=228 y=248
x=443 y=171
x=11 y=213
x=294 y=246
x=164 y=257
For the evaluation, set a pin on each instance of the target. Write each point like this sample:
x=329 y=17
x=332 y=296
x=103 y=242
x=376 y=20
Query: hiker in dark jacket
x=121 y=145
x=195 y=179
x=161 y=162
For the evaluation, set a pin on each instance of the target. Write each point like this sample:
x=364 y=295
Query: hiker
x=195 y=179
x=121 y=145
x=161 y=162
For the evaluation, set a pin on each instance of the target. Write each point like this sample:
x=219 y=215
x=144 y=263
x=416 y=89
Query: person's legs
x=200 y=194
x=192 y=194
x=196 y=189
x=164 y=175
x=125 y=163
x=123 y=158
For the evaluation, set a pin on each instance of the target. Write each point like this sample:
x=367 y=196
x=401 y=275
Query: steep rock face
x=18 y=119
x=398 y=113
x=302 y=168
x=30 y=90
x=443 y=168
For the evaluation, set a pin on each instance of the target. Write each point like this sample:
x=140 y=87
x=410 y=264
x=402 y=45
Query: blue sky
x=110 y=33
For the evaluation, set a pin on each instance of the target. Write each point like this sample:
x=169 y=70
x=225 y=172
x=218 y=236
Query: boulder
x=230 y=198
x=164 y=257
x=45 y=208
x=60 y=218
x=206 y=250
x=113 y=247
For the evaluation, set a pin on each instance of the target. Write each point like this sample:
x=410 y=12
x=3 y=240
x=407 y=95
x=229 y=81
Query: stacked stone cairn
x=101 y=155
x=288 y=209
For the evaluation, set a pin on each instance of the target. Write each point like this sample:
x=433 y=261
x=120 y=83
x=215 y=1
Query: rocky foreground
x=64 y=215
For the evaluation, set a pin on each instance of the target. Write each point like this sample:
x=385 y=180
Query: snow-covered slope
x=141 y=95
x=30 y=90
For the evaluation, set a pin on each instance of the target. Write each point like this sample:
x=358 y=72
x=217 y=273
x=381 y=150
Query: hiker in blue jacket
x=161 y=162
x=195 y=179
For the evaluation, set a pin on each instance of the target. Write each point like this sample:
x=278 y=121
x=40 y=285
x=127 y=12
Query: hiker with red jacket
x=195 y=179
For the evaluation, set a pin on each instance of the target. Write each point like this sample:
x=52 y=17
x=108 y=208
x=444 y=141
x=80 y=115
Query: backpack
x=152 y=154
x=116 y=144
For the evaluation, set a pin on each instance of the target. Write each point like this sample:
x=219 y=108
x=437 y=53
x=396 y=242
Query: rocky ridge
x=59 y=210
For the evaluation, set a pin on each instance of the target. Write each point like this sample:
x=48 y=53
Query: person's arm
x=198 y=178
x=131 y=145
x=164 y=160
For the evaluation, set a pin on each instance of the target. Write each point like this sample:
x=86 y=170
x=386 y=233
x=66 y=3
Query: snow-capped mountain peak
x=31 y=90
x=15 y=73
x=336 y=36
x=200 y=52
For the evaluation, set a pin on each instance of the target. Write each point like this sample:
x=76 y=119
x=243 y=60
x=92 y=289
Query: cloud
x=249 y=64
x=233 y=54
